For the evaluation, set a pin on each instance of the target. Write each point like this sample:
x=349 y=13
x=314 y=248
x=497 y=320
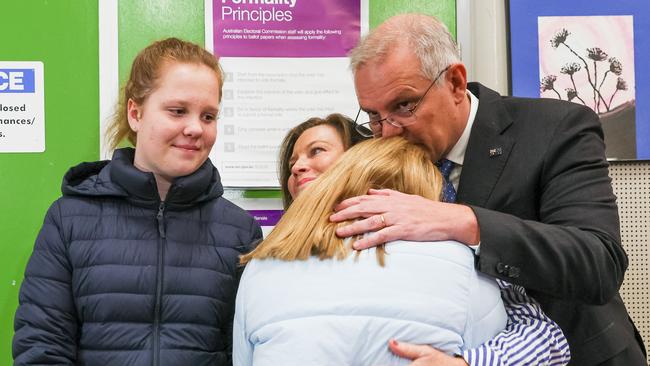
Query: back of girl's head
x=380 y=163
x=346 y=131
x=146 y=71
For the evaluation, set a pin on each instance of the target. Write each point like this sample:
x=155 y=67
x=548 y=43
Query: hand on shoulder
x=423 y=355
x=393 y=215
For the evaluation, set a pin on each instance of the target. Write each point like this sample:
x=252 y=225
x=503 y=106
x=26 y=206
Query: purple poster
x=285 y=28
x=266 y=217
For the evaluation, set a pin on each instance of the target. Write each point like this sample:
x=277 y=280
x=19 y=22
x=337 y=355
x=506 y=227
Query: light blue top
x=344 y=312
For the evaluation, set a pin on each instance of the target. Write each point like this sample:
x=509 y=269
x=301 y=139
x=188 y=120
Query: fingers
x=356 y=207
x=372 y=223
x=408 y=350
x=371 y=197
x=383 y=236
x=350 y=202
x=381 y=192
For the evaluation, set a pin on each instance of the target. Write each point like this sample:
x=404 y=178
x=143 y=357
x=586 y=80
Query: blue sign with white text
x=17 y=81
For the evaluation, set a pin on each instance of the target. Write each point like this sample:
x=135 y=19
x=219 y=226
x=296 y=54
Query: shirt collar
x=457 y=153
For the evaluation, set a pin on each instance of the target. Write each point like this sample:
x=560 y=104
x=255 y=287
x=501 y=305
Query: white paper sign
x=285 y=61
x=261 y=104
x=22 y=107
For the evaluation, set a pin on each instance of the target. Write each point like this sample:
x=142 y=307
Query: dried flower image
x=589 y=60
x=594 y=64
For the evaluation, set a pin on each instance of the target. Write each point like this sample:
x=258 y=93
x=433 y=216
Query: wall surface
x=63 y=35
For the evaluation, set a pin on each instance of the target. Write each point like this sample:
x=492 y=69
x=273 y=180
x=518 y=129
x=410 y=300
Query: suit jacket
x=536 y=176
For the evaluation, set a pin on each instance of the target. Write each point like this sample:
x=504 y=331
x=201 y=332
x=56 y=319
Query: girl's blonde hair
x=145 y=72
x=305 y=229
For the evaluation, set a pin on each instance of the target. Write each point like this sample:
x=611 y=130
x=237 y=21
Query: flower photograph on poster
x=589 y=53
x=589 y=60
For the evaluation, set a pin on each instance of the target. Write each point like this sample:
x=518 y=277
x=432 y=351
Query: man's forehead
x=400 y=64
x=377 y=83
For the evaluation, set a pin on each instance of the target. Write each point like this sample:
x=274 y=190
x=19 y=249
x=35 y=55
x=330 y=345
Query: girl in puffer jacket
x=136 y=264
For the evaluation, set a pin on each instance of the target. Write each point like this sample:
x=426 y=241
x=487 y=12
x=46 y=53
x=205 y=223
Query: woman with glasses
x=306 y=298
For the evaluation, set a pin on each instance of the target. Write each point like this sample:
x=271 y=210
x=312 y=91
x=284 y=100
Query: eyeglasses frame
x=365 y=127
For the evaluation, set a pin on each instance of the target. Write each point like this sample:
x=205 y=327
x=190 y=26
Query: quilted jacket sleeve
x=46 y=323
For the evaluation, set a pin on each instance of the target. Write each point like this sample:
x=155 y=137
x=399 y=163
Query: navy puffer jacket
x=119 y=278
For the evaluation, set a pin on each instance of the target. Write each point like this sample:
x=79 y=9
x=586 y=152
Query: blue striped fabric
x=530 y=337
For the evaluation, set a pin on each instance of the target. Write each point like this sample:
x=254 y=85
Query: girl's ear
x=133 y=114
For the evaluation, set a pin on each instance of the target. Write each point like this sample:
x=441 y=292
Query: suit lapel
x=487 y=150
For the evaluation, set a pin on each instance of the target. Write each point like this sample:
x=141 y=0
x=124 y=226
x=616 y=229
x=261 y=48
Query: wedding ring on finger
x=383 y=221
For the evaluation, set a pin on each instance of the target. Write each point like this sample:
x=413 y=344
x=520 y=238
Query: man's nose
x=388 y=130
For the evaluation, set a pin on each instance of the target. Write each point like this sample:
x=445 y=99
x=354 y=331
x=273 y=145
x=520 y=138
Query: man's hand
x=424 y=355
x=395 y=215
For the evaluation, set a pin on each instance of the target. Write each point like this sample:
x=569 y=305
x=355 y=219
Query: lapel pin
x=496 y=152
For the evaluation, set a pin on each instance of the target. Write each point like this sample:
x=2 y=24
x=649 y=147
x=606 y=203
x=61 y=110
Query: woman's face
x=176 y=125
x=314 y=152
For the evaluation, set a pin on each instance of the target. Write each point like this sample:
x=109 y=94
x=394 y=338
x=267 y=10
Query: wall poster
x=22 y=107
x=585 y=52
x=285 y=61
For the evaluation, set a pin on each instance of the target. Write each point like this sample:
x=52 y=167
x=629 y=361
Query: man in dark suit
x=534 y=198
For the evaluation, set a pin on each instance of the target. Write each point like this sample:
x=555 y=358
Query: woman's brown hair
x=343 y=125
x=305 y=229
x=145 y=72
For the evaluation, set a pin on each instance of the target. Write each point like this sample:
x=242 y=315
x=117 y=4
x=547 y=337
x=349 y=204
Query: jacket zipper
x=160 y=218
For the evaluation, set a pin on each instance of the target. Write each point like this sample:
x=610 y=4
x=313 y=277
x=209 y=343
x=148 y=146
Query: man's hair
x=425 y=35
x=345 y=129
x=305 y=229
x=144 y=75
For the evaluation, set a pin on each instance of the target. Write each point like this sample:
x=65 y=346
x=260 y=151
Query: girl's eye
x=209 y=117
x=177 y=111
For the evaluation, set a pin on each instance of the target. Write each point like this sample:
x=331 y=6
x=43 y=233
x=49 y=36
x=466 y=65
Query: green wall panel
x=381 y=10
x=63 y=35
x=144 y=21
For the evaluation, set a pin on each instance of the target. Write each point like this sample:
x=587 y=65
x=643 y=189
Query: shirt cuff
x=483 y=356
x=476 y=248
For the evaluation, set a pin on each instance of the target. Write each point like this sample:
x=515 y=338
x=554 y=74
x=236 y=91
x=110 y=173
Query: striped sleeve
x=530 y=337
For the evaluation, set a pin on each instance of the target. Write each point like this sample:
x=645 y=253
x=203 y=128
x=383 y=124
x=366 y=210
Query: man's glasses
x=404 y=115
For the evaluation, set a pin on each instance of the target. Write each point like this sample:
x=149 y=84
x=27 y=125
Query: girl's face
x=314 y=152
x=176 y=125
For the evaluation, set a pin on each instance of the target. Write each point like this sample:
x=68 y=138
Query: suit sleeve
x=45 y=324
x=530 y=337
x=572 y=249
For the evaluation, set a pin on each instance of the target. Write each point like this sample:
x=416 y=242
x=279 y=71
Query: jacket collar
x=488 y=148
x=119 y=178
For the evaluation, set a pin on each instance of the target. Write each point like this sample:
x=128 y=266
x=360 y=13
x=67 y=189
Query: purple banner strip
x=266 y=217
x=285 y=28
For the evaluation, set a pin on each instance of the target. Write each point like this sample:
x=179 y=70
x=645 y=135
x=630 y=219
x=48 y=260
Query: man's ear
x=457 y=77
x=133 y=114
